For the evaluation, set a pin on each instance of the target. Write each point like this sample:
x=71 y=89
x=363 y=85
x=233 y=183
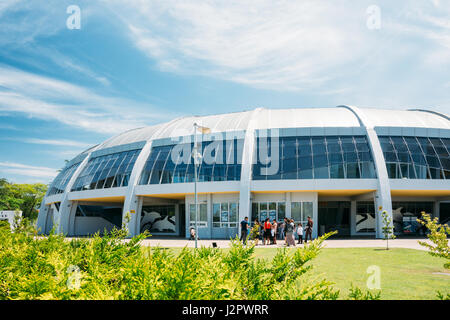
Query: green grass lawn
x=405 y=273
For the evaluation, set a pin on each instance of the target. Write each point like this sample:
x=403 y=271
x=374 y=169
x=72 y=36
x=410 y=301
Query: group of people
x=270 y=231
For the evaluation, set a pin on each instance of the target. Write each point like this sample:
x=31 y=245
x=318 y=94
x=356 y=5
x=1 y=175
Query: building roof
x=282 y=118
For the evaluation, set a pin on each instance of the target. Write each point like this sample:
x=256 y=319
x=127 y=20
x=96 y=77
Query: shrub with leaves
x=388 y=228
x=113 y=267
x=438 y=236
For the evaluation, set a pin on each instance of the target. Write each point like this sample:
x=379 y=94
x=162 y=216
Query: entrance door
x=225 y=220
x=334 y=215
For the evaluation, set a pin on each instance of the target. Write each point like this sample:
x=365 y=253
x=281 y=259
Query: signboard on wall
x=224 y=217
x=263 y=215
x=272 y=214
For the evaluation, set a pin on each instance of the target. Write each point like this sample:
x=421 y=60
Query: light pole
x=197 y=158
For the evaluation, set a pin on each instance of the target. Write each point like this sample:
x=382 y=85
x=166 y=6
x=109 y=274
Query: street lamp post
x=197 y=158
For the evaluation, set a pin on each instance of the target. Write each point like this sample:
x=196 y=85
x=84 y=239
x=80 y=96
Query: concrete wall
x=89 y=225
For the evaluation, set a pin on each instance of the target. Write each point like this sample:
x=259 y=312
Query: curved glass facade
x=62 y=179
x=108 y=171
x=416 y=157
x=319 y=157
x=173 y=163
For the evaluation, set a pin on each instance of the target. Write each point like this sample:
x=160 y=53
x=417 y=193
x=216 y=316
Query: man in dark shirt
x=244 y=230
x=309 y=228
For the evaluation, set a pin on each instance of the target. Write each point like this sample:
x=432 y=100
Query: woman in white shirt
x=300 y=233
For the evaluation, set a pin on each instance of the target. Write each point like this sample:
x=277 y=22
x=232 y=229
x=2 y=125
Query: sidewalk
x=366 y=243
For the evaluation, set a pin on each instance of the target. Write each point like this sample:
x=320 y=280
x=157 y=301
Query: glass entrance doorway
x=271 y=210
x=334 y=215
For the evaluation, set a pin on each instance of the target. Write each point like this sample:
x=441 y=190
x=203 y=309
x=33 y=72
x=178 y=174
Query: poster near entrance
x=159 y=219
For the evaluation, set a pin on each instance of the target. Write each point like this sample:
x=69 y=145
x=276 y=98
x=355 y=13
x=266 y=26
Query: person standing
x=286 y=222
x=281 y=233
x=267 y=231
x=300 y=233
x=290 y=233
x=244 y=230
x=309 y=228
x=274 y=231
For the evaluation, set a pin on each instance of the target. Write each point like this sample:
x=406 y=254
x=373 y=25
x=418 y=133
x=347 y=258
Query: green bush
x=111 y=267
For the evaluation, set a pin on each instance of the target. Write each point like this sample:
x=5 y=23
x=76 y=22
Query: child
x=300 y=233
x=192 y=234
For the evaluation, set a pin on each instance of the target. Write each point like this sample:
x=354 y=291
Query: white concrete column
x=42 y=216
x=63 y=217
x=248 y=155
x=288 y=205
x=131 y=203
x=188 y=215
x=436 y=209
x=352 y=217
x=209 y=213
x=383 y=201
x=315 y=216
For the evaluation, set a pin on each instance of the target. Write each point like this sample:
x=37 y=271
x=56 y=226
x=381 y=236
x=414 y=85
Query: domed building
x=341 y=166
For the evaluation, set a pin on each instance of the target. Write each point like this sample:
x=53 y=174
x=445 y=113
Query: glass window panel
x=435 y=173
x=350 y=157
x=216 y=215
x=403 y=157
x=307 y=210
x=296 y=211
x=289 y=146
x=305 y=162
x=421 y=172
x=305 y=174
x=364 y=156
x=337 y=171
x=233 y=212
x=433 y=162
x=333 y=144
x=321 y=173
x=263 y=211
x=335 y=158
x=419 y=159
x=445 y=163
x=100 y=172
x=362 y=147
x=392 y=170
x=202 y=215
x=255 y=211
x=367 y=170
x=319 y=148
x=353 y=171
x=399 y=144
x=320 y=161
x=347 y=144
x=62 y=179
x=304 y=146
x=289 y=168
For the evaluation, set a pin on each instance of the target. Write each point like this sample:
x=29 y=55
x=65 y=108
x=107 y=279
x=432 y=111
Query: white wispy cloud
x=57 y=142
x=55 y=100
x=285 y=44
x=27 y=171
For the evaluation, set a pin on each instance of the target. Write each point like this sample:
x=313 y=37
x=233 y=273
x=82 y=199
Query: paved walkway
x=366 y=243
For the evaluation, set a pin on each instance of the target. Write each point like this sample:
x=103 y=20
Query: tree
x=388 y=228
x=438 y=236
x=24 y=197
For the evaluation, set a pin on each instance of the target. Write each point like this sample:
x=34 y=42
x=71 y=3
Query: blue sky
x=135 y=63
